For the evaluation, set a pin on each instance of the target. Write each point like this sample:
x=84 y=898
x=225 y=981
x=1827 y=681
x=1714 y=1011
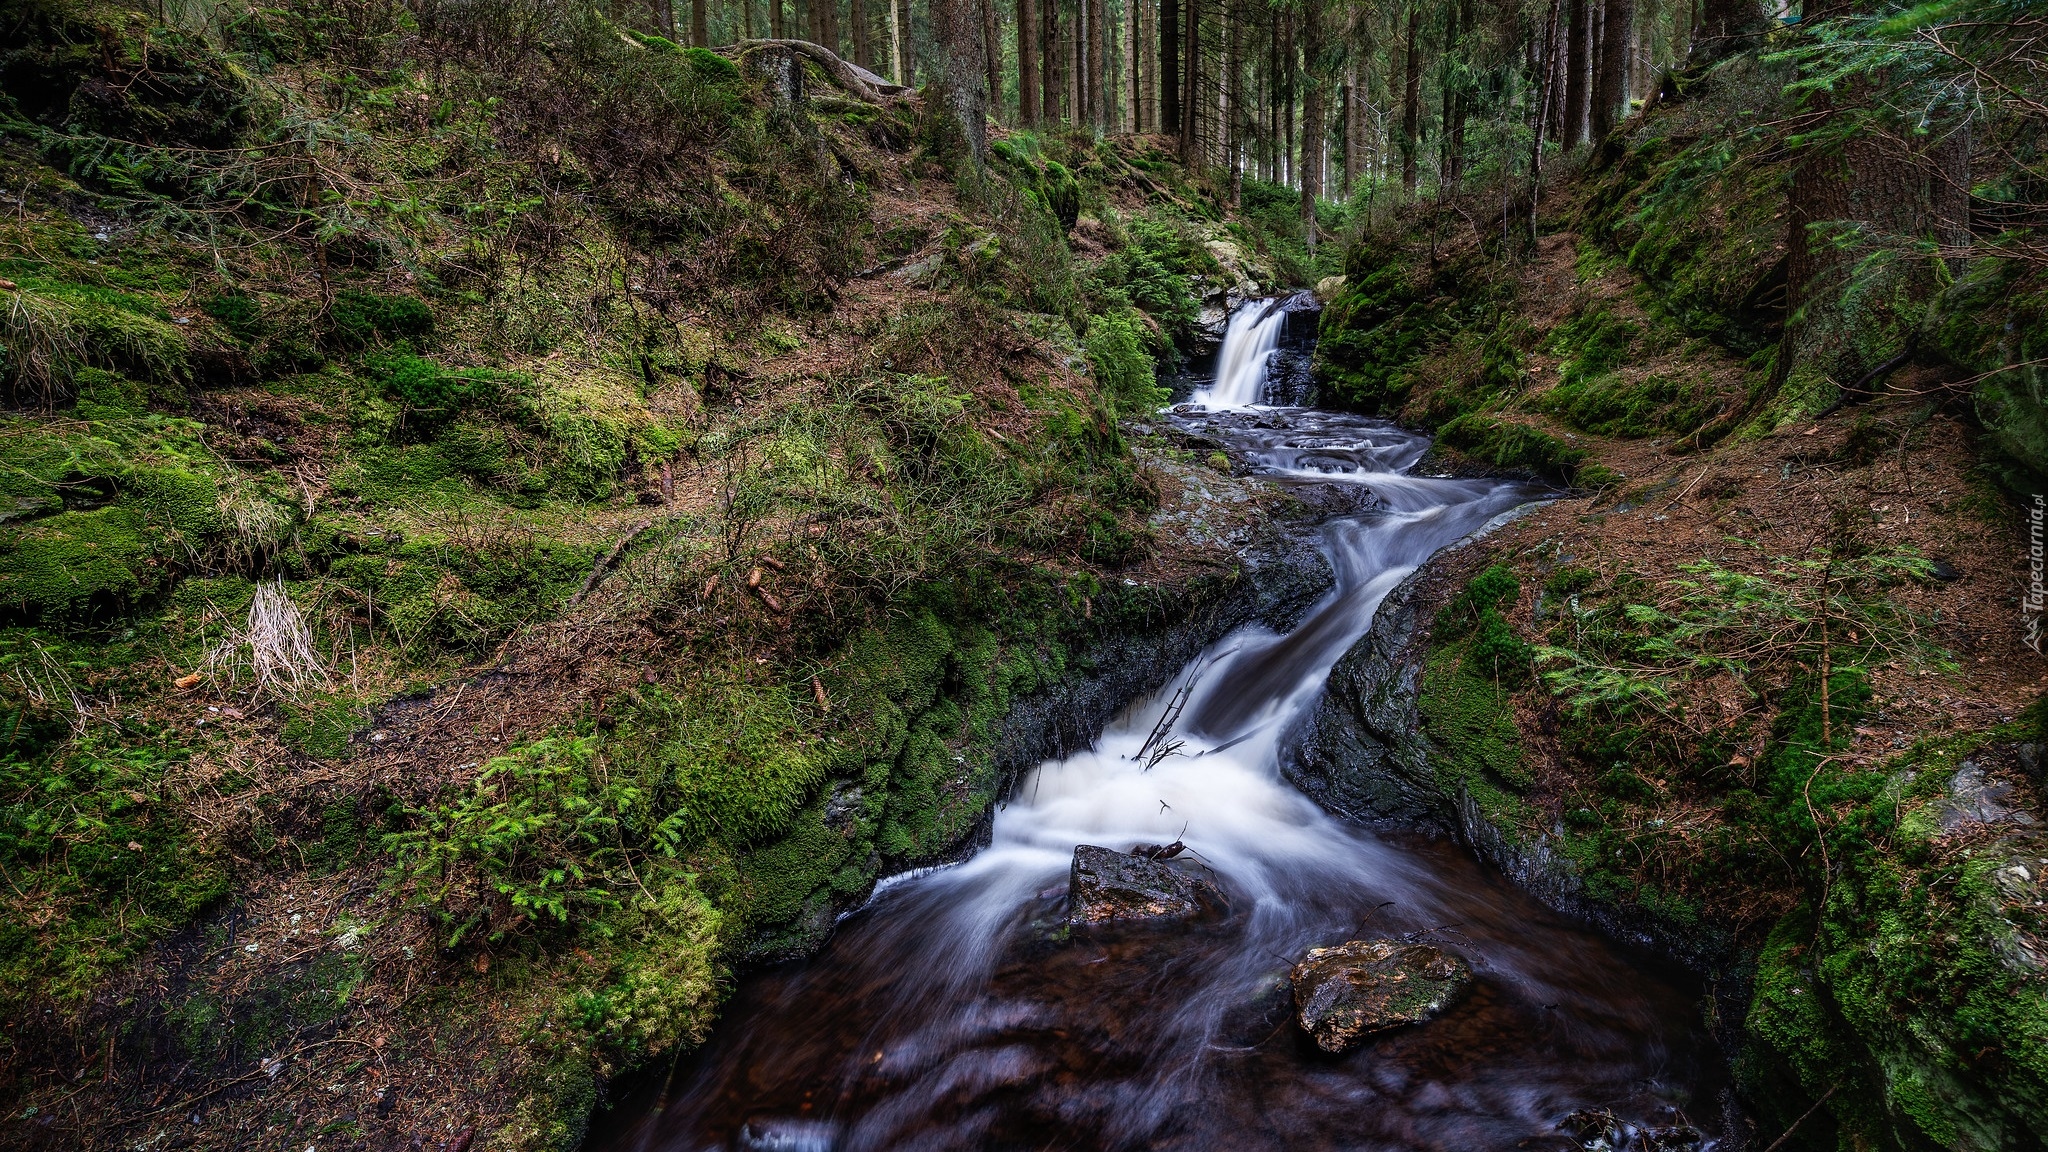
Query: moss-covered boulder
x=1346 y=993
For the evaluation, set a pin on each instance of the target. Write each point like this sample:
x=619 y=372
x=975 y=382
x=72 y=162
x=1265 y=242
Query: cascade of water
x=955 y=1013
x=1248 y=343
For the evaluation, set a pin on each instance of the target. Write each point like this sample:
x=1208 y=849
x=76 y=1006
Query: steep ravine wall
x=1365 y=754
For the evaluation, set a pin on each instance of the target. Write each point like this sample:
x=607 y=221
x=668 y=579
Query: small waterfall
x=1248 y=344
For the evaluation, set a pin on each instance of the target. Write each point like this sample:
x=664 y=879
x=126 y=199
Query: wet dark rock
x=1978 y=798
x=1347 y=993
x=1331 y=498
x=1107 y=885
x=1288 y=378
x=1598 y=1130
x=1361 y=754
x=844 y=804
x=783 y=1135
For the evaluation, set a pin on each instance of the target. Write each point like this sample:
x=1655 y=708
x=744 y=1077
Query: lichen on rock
x=1346 y=993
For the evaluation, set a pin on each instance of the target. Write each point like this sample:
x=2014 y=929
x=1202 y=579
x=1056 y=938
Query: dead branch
x=855 y=79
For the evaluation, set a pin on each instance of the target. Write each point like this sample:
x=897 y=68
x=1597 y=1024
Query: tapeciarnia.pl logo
x=2037 y=586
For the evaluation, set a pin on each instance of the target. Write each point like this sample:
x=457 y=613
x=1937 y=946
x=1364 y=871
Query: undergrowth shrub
x=1123 y=365
x=546 y=833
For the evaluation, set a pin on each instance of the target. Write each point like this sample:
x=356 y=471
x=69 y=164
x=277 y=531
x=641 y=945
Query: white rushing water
x=950 y=1016
x=1248 y=344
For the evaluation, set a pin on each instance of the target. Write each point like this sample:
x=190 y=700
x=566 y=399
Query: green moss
x=732 y=759
x=321 y=726
x=359 y=319
x=1123 y=367
x=184 y=504
x=1474 y=747
x=434 y=594
x=238 y=312
x=1505 y=444
x=1991 y=323
x=1377 y=327
x=77 y=564
x=102 y=395
x=1612 y=406
x=85 y=827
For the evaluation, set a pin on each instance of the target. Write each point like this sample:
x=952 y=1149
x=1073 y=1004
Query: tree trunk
x=1148 y=69
x=1077 y=64
x=1577 y=72
x=1169 y=66
x=1134 y=72
x=1353 y=96
x=700 y=32
x=958 y=93
x=992 y=55
x=1050 y=81
x=1027 y=63
x=1312 y=128
x=1846 y=314
x=1290 y=88
x=1451 y=130
x=1098 y=103
x=1191 y=89
x=1610 y=81
x=1233 y=75
x=1411 y=101
x=905 y=35
x=863 y=33
x=1725 y=28
x=778 y=27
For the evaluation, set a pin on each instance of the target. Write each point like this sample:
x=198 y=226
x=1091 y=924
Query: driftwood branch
x=855 y=79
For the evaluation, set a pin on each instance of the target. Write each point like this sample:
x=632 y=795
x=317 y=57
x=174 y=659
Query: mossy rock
x=77 y=564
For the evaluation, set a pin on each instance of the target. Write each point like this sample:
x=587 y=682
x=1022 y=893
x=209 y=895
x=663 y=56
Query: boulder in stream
x=1348 y=992
x=1107 y=885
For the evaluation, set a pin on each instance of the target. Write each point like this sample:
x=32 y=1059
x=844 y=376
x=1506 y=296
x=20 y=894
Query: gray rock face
x=1361 y=753
x=1107 y=885
x=1360 y=987
x=1976 y=798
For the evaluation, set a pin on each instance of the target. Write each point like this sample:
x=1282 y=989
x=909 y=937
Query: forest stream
x=956 y=1009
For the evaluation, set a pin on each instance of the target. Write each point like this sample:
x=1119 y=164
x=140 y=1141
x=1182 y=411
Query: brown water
x=953 y=1012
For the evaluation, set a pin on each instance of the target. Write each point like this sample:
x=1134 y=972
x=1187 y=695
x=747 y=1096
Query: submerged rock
x=1107 y=885
x=1598 y=1130
x=1360 y=987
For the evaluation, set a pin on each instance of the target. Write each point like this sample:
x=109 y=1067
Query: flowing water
x=1248 y=343
x=954 y=1012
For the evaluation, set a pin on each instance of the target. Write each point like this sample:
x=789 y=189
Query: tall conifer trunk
x=1610 y=80
x=1191 y=87
x=1313 y=132
x=1050 y=81
x=1027 y=63
x=1411 y=102
x=992 y=55
x=1098 y=58
x=1169 y=67
x=958 y=91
